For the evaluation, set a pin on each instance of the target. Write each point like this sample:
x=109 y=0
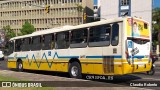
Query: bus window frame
x=100 y=45
x=118 y=34
x=38 y=45
x=81 y=44
x=57 y=44
x=13 y=45
x=52 y=40
x=16 y=50
x=139 y=41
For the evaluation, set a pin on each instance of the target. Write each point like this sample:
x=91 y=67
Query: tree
x=156 y=25
x=9 y=32
x=80 y=10
x=27 y=28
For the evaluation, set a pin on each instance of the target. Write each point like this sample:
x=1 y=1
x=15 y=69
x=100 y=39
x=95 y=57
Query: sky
x=156 y=3
x=95 y=2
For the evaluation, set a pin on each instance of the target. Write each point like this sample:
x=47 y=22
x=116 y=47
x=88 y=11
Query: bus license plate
x=141 y=65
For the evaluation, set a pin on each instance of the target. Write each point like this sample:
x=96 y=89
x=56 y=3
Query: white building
x=117 y=8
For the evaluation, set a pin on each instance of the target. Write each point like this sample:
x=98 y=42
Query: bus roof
x=69 y=27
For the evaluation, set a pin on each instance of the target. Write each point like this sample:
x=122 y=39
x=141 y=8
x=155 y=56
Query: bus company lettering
x=135 y=51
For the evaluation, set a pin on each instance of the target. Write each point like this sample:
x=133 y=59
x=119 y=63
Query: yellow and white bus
x=108 y=47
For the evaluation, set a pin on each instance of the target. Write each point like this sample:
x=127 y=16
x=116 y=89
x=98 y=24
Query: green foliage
x=27 y=28
x=156 y=25
x=79 y=8
x=9 y=32
x=19 y=34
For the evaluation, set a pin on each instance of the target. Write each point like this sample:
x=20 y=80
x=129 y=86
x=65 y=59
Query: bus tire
x=151 y=72
x=19 y=66
x=75 y=70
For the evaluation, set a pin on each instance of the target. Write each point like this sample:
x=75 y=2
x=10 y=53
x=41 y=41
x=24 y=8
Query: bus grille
x=108 y=65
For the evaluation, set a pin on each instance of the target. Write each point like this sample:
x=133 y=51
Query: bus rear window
x=140 y=41
x=145 y=26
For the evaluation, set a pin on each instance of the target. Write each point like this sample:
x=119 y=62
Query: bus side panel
x=127 y=68
x=100 y=67
x=11 y=63
x=87 y=68
x=45 y=60
x=57 y=65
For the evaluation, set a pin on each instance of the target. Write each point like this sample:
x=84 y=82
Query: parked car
x=1 y=56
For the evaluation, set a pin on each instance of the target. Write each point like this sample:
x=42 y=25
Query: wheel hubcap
x=74 y=71
x=20 y=66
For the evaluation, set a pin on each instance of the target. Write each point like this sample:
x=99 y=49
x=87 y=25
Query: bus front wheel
x=19 y=66
x=75 y=70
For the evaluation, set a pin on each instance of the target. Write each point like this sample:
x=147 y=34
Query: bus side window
x=18 y=45
x=106 y=34
x=36 y=45
x=52 y=42
x=11 y=47
x=62 y=40
x=42 y=39
x=99 y=36
x=115 y=34
x=79 y=38
x=32 y=44
x=23 y=44
x=48 y=42
x=29 y=44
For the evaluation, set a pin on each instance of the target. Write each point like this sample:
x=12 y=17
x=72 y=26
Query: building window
x=124 y=2
x=124 y=8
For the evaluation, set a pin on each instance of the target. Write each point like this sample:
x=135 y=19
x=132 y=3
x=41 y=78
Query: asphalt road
x=124 y=80
x=3 y=65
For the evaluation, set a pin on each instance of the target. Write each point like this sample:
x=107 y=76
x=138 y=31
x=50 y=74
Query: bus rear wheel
x=19 y=66
x=75 y=70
